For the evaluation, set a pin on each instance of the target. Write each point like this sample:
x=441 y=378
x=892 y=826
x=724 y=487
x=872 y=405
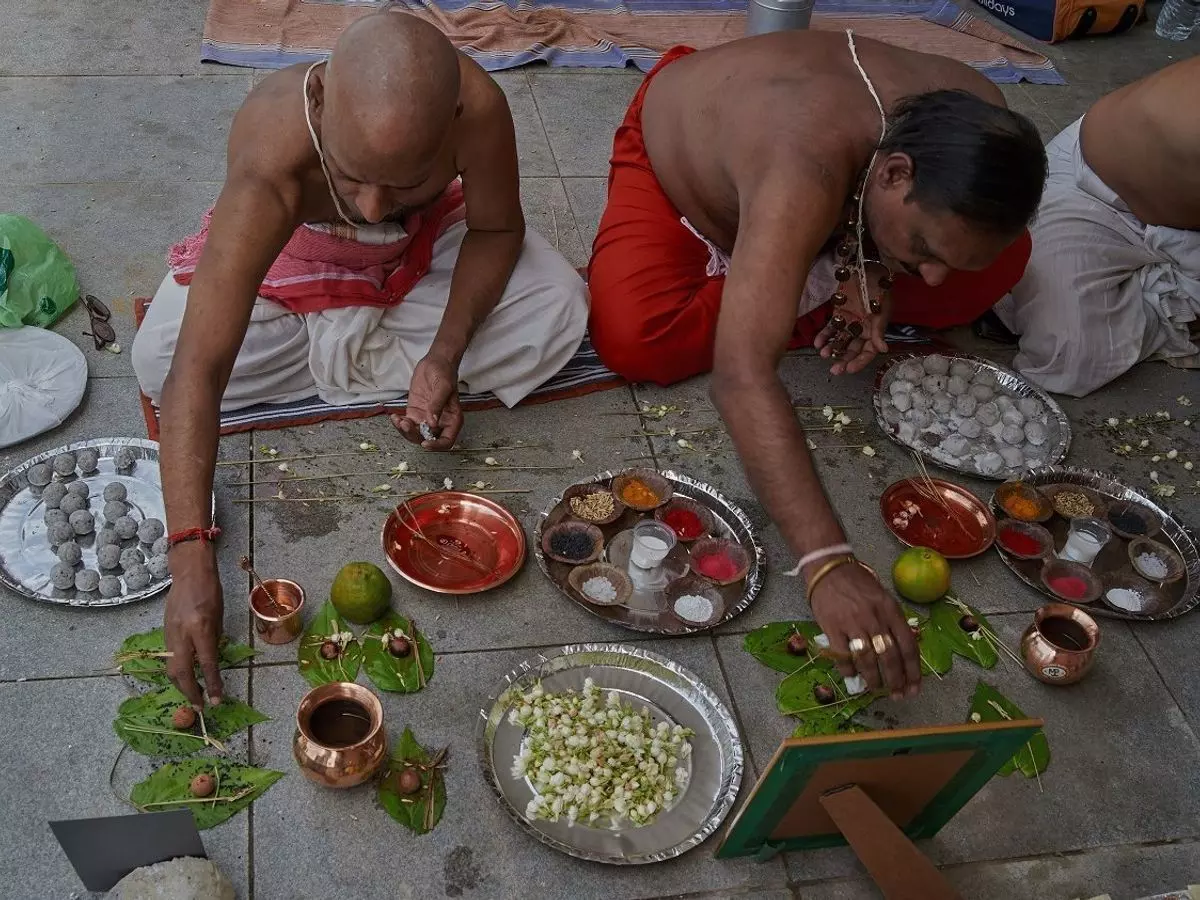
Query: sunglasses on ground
x=99 y=314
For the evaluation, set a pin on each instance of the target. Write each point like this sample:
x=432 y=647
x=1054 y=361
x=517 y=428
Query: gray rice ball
x=53 y=494
x=920 y=400
x=124 y=460
x=64 y=464
x=62 y=576
x=83 y=522
x=40 y=475
x=158 y=567
x=114 y=490
x=1035 y=433
x=934 y=384
x=942 y=404
x=132 y=557
x=982 y=392
x=955 y=444
x=957 y=385
x=1013 y=416
x=110 y=586
x=87 y=580
x=965 y=405
x=125 y=527
x=962 y=370
x=891 y=415
x=936 y=364
x=137 y=577
x=990 y=463
x=970 y=428
x=1013 y=457
x=72 y=504
x=911 y=371
x=988 y=414
x=987 y=379
x=1030 y=406
x=89 y=461
x=150 y=531
x=109 y=556
x=80 y=489
x=60 y=533
x=920 y=418
x=160 y=547
x=114 y=509
x=900 y=386
x=1012 y=434
x=902 y=402
x=55 y=517
x=1005 y=403
x=106 y=536
x=69 y=553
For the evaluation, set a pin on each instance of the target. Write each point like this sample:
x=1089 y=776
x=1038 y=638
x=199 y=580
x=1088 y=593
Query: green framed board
x=918 y=777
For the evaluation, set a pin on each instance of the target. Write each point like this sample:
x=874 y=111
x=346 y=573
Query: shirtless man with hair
x=742 y=180
x=421 y=283
x=1115 y=273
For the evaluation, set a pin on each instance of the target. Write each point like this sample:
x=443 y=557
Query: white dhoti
x=1103 y=291
x=368 y=353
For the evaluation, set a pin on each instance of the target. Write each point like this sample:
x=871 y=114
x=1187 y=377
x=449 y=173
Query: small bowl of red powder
x=687 y=518
x=642 y=489
x=1024 y=540
x=719 y=560
x=1071 y=581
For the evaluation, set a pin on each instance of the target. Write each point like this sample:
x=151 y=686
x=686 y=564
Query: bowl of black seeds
x=1132 y=520
x=573 y=543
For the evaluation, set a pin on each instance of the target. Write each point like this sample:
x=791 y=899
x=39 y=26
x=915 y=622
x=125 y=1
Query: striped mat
x=271 y=34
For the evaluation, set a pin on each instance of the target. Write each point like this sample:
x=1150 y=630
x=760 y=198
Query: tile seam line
x=1163 y=681
x=545 y=134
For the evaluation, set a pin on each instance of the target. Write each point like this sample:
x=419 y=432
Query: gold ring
x=881 y=643
x=857 y=645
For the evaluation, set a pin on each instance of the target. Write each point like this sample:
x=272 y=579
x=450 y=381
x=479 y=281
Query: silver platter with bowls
x=1176 y=598
x=927 y=442
x=643 y=679
x=644 y=611
x=26 y=557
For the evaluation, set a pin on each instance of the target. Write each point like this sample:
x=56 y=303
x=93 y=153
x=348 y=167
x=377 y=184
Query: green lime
x=921 y=575
x=361 y=592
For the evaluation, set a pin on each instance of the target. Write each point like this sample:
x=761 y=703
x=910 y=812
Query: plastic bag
x=42 y=378
x=37 y=280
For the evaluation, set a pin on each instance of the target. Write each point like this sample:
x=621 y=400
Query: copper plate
x=966 y=531
x=466 y=525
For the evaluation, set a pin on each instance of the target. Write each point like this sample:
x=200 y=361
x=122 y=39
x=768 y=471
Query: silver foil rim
x=1179 y=535
x=722 y=729
x=755 y=576
x=1008 y=379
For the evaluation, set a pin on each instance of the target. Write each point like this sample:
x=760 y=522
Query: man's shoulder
x=269 y=134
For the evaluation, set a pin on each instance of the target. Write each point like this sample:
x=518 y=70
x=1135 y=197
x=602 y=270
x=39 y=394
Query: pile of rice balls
x=957 y=412
x=130 y=554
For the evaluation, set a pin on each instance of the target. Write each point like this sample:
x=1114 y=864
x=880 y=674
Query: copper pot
x=276 y=605
x=1058 y=648
x=340 y=741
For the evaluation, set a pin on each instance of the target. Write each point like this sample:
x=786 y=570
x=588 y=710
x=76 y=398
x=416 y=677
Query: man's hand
x=432 y=401
x=193 y=623
x=849 y=603
x=863 y=349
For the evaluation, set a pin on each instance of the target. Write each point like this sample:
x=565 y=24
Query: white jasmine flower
x=976 y=717
x=1164 y=490
x=914 y=622
x=809 y=443
x=1183 y=401
x=1144 y=443
x=844 y=419
x=367 y=446
x=837 y=427
x=577 y=454
x=672 y=431
x=1154 y=477
x=113 y=348
x=684 y=444
x=1187 y=422
x=381 y=489
x=1188 y=465
x=1112 y=422
x=1172 y=453
x=282 y=467
x=1126 y=448
x=400 y=468
x=868 y=450
x=827 y=412
x=491 y=461
x=1155 y=458
x=448 y=483
x=268 y=451
x=1162 y=414
x=479 y=485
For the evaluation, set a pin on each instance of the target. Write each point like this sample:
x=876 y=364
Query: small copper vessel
x=340 y=741
x=1060 y=645
x=276 y=605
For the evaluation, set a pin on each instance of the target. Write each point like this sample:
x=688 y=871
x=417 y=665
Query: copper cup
x=340 y=741
x=277 y=610
x=1060 y=646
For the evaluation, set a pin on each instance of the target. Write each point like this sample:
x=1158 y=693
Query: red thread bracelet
x=203 y=535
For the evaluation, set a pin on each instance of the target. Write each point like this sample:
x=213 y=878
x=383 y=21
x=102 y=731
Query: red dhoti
x=655 y=296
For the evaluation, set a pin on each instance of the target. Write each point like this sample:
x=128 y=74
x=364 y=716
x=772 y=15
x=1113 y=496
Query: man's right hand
x=194 y=622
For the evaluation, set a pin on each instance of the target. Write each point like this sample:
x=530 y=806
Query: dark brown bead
x=876 y=306
x=842 y=273
x=844 y=249
x=886 y=281
x=838 y=298
x=837 y=323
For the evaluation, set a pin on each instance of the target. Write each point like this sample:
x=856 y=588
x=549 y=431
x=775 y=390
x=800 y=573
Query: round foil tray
x=25 y=555
x=645 y=611
x=643 y=679
x=1058 y=439
x=1177 y=598
x=465 y=525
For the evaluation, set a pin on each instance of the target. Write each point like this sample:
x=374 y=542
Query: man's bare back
x=1144 y=143
x=708 y=116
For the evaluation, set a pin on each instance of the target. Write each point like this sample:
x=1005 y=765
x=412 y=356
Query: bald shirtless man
x=734 y=174
x=1115 y=274
x=427 y=278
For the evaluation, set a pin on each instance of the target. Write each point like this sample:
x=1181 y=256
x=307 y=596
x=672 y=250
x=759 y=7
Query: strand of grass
x=678 y=432
x=495 y=449
x=112 y=774
x=416 y=646
x=233 y=798
x=217 y=784
x=211 y=742
x=800 y=712
x=289 y=479
x=279 y=459
x=811 y=660
x=131 y=655
x=825 y=407
x=936 y=673
x=840 y=446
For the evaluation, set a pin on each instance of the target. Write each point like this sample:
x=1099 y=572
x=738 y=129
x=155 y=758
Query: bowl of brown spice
x=1074 y=502
x=593 y=503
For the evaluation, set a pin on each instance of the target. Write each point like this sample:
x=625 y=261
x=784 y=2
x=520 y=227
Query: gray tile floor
x=115 y=144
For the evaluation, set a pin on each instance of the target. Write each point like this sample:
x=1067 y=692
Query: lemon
x=361 y=592
x=921 y=575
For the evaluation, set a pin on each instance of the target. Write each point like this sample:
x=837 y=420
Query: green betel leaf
x=937 y=656
x=943 y=630
x=170 y=787
x=404 y=674
x=143 y=656
x=768 y=644
x=795 y=695
x=315 y=668
x=992 y=706
x=144 y=723
x=421 y=810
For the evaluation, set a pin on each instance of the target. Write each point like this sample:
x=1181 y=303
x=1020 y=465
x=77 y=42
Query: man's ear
x=316 y=91
x=458 y=110
x=895 y=171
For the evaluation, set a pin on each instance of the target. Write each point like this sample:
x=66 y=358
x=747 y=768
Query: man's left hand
x=432 y=401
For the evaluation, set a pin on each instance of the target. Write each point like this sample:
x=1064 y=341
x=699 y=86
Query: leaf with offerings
x=145 y=723
x=413 y=789
x=992 y=706
x=324 y=635
x=944 y=629
x=235 y=788
x=769 y=644
x=404 y=673
x=144 y=656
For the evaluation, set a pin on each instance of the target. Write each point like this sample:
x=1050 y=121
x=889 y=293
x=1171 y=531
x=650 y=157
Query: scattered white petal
x=367 y=446
x=381 y=489
x=1113 y=422
x=837 y=427
x=491 y=461
x=479 y=485
x=1144 y=443
x=684 y=444
x=400 y=468
x=113 y=348
x=1155 y=458
x=1188 y=465
x=1187 y=422
x=448 y=484
x=977 y=635
x=822 y=641
x=827 y=412
x=1172 y=453
x=282 y=467
x=810 y=444
x=844 y=419
x=1183 y=401
x=672 y=431
x=577 y=454
x=1164 y=490
x=1162 y=414
x=914 y=622
x=1126 y=448
x=269 y=451
x=976 y=717
x=1154 y=477
x=855 y=685
x=868 y=450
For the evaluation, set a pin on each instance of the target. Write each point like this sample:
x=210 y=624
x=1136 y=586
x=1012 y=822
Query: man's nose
x=933 y=274
x=372 y=205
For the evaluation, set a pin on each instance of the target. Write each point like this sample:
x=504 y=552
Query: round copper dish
x=957 y=525
x=471 y=544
